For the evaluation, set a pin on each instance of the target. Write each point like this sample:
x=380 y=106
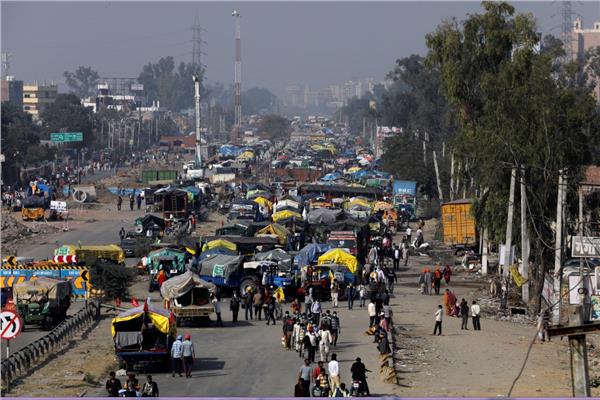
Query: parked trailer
x=459 y=224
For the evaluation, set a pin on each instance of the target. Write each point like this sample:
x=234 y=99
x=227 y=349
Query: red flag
x=118 y=301
x=134 y=302
x=146 y=306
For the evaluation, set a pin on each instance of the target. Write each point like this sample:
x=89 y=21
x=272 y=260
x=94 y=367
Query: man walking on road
x=258 y=304
x=119 y=202
x=177 y=355
x=324 y=344
x=248 y=304
x=234 y=306
x=316 y=312
x=475 y=313
x=397 y=255
x=217 y=306
x=131 y=200
x=334 y=373
x=464 y=314
x=439 y=315
x=335 y=328
x=335 y=291
x=350 y=292
x=305 y=375
x=372 y=313
x=187 y=348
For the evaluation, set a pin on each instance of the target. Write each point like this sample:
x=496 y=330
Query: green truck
x=43 y=301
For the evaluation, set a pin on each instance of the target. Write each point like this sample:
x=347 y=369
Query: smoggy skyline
x=316 y=43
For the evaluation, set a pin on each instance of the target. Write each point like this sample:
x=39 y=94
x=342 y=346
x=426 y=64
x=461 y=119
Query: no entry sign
x=10 y=325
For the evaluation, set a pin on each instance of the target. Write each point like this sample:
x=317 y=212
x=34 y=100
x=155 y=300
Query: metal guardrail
x=22 y=361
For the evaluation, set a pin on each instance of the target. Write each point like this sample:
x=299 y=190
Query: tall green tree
x=69 y=114
x=173 y=87
x=258 y=101
x=276 y=127
x=514 y=109
x=20 y=142
x=83 y=81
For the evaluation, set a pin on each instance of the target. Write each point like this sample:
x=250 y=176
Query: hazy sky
x=308 y=42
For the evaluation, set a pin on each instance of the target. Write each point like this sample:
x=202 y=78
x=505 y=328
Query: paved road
x=98 y=232
x=247 y=359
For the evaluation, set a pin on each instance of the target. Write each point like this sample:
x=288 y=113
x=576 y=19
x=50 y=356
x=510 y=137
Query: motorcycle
x=358 y=389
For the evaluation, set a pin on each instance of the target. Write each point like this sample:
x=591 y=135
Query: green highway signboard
x=63 y=137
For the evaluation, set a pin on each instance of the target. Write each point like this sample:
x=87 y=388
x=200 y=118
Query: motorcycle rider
x=359 y=371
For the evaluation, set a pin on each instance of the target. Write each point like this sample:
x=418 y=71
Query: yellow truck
x=458 y=224
x=89 y=254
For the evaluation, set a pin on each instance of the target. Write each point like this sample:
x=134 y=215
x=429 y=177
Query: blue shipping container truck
x=405 y=197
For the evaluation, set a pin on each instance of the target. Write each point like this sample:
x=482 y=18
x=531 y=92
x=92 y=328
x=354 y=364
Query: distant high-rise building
x=12 y=90
x=36 y=97
x=583 y=40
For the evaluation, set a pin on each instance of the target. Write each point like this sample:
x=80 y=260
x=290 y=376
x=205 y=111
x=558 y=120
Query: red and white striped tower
x=238 y=70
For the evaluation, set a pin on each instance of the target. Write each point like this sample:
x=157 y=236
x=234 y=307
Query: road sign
x=64 y=137
x=67 y=259
x=60 y=206
x=585 y=246
x=85 y=275
x=11 y=261
x=10 y=325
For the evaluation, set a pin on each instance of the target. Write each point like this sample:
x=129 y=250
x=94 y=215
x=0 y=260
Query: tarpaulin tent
x=155 y=258
x=286 y=214
x=263 y=202
x=382 y=206
x=219 y=250
x=340 y=256
x=132 y=320
x=323 y=216
x=179 y=285
x=220 y=265
x=275 y=229
x=214 y=244
x=309 y=253
x=232 y=229
x=286 y=204
x=359 y=201
x=279 y=255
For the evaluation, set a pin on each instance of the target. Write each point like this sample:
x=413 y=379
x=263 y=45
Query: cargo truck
x=458 y=223
x=43 y=301
x=188 y=297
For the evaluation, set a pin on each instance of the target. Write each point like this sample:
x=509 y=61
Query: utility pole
x=524 y=239
x=484 y=252
x=509 y=222
x=437 y=177
x=238 y=70
x=558 y=251
x=198 y=135
x=452 y=177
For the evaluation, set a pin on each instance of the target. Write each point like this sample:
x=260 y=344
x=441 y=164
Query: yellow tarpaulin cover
x=159 y=321
x=264 y=202
x=219 y=243
x=352 y=170
x=382 y=205
x=275 y=229
x=286 y=214
x=340 y=256
x=517 y=277
x=359 y=202
x=247 y=155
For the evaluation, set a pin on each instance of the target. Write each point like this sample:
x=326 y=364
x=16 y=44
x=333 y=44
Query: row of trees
x=487 y=97
x=171 y=84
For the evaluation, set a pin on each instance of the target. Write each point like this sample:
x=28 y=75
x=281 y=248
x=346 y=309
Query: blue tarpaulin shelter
x=310 y=253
